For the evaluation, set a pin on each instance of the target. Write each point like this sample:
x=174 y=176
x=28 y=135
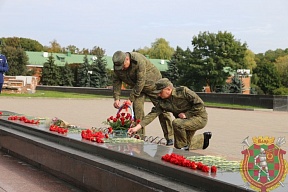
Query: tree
x=55 y=47
x=84 y=51
x=99 y=77
x=66 y=78
x=282 y=67
x=97 y=50
x=72 y=48
x=271 y=55
x=269 y=77
x=84 y=76
x=30 y=45
x=17 y=60
x=50 y=73
x=211 y=53
x=173 y=72
x=249 y=60
x=235 y=86
x=160 y=49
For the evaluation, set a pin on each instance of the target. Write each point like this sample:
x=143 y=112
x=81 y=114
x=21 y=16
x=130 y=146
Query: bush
x=281 y=91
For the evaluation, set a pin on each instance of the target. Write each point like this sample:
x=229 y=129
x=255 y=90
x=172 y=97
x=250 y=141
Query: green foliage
x=281 y=91
x=273 y=55
x=84 y=77
x=66 y=78
x=235 y=86
x=17 y=60
x=99 y=77
x=110 y=74
x=24 y=43
x=269 y=77
x=249 y=60
x=50 y=73
x=160 y=49
x=205 y=64
x=282 y=67
x=31 y=45
x=173 y=72
x=256 y=90
x=72 y=49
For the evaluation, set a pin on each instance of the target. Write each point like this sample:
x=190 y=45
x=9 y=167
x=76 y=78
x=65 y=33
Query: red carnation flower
x=118 y=116
x=205 y=168
x=213 y=169
x=114 y=120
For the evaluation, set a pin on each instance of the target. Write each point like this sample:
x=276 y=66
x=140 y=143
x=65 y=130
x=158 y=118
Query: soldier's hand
x=134 y=129
x=128 y=102
x=182 y=116
x=116 y=104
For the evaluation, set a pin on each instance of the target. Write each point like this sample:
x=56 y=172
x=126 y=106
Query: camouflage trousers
x=164 y=118
x=184 y=132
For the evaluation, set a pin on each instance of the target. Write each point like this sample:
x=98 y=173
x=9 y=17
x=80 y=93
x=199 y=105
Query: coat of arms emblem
x=263 y=167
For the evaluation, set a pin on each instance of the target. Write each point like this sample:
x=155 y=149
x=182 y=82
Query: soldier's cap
x=118 y=60
x=162 y=84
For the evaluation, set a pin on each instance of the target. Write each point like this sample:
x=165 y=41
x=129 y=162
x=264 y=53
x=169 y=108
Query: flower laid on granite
x=60 y=122
x=182 y=161
x=58 y=129
x=93 y=135
x=122 y=121
x=1 y=113
x=24 y=119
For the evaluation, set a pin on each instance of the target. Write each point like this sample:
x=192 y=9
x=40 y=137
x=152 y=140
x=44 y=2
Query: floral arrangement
x=24 y=119
x=59 y=122
x=93 y=135
x=58 y=129
x=182 y=161
x=122 y=121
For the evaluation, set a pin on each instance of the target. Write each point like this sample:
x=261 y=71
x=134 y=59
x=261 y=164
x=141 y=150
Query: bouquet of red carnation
x=122 y=120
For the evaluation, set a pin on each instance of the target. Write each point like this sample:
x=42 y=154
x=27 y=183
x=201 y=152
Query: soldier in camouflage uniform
x=137 y=71
x=189 y=112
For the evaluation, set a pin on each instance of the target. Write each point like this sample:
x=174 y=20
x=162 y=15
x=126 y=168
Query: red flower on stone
x=213 y=169
x=205 y=168
x=182 y=161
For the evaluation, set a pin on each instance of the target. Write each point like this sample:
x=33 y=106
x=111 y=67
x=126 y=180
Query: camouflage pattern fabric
x=141 y=75
x=182 y=100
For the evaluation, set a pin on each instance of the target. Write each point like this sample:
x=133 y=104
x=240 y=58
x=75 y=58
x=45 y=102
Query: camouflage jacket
x=182 y=100
x=141 y=76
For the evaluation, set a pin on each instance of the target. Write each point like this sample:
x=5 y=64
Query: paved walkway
x=229 y=128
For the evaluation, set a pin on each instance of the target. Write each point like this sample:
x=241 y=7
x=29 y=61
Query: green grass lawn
x=57 y=94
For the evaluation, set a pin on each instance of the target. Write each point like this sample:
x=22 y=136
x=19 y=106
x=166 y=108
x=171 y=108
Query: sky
x=132 y=24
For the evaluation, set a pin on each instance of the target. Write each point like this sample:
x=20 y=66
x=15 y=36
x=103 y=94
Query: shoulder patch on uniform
x=179 y=88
